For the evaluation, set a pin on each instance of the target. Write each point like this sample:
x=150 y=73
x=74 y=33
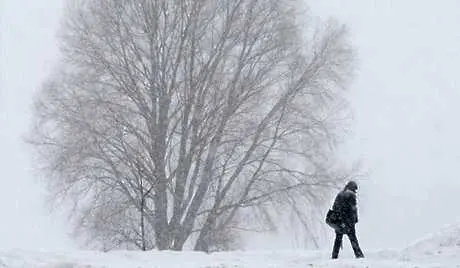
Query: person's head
x=352 y=186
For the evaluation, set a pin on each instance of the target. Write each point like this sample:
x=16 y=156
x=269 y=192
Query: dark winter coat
x=345 y=205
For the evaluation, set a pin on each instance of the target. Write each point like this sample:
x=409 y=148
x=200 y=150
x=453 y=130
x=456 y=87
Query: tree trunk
x=161 y=221
x=202 y=243
x=143 y=224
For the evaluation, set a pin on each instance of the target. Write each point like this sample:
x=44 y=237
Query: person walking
x=345 y=206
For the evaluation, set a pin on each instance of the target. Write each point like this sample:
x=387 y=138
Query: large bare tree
x=165 y=118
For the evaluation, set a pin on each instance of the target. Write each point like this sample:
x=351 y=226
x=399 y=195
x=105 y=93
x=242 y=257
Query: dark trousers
x=351 y=233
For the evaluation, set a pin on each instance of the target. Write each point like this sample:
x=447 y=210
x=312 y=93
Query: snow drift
x=441 y=249
x=447 y=238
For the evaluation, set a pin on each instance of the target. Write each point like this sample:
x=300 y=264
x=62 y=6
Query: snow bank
x=274 y=259
x=155 y=259
x=438 y=250
x=447 y=239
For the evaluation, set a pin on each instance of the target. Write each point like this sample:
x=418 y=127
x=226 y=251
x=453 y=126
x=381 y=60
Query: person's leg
x=337 y=244
x=354 y=243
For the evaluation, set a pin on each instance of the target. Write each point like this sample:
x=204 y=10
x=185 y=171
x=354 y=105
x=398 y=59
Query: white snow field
x=438 y=250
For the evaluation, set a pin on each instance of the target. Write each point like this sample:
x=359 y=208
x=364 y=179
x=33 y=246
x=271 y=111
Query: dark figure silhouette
x=345 y=205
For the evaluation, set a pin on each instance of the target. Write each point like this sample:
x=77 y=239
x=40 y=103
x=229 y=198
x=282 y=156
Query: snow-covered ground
x=437 y=250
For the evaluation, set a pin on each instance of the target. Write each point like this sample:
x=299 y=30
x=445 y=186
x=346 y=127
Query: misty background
x=405 y=100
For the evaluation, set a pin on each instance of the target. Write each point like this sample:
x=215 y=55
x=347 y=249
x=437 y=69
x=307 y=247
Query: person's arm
x=354 y=208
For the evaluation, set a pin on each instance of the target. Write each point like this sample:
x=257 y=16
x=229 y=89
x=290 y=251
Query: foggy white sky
x=406 y=100
x=28 y=50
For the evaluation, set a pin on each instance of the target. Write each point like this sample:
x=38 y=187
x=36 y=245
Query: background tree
x=166 y=119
